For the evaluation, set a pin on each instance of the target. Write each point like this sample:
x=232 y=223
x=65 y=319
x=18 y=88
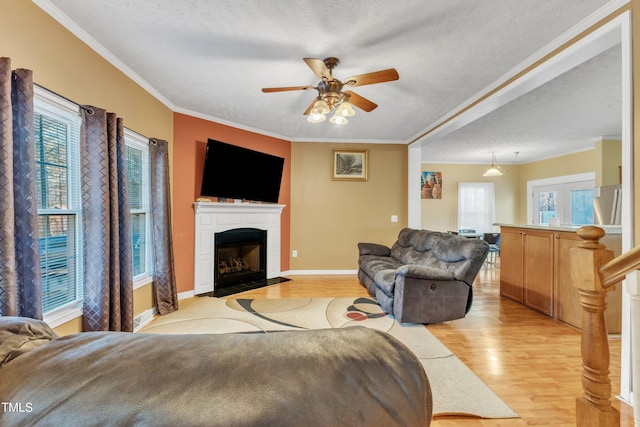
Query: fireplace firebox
x=240 y=256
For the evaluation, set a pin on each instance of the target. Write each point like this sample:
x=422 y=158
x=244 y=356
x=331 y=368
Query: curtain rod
x=87 y=109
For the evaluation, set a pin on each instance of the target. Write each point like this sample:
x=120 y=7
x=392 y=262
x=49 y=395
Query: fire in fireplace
x=240 y=256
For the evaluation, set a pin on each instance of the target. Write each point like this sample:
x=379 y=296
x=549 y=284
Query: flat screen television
x=240 y=173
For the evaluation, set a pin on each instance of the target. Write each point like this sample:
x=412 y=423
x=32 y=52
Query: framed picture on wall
x=431 y=185
x=350 y=165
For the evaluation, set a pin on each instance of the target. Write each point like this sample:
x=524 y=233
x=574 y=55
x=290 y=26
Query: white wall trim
x=584 y=49
x=63 y=315
x=185 y=295
x=629 y=378
x=213 y=217
x=144 y=318
x=587 y=176
x=414 y=201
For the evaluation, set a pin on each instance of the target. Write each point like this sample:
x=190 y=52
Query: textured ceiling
x=210 y=58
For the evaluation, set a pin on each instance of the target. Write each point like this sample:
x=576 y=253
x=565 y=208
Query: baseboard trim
x=144 y=318
x=185 y=295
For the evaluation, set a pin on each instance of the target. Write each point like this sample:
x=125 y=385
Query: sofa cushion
x=371 y=264
x=453 y=249
x=373 y=249
x=425 y=240
x=405 y=237
x=20 y=335
x=385 y=301
x=386 y=280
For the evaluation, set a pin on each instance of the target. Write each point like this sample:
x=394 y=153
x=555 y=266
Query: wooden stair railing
x=594 y=272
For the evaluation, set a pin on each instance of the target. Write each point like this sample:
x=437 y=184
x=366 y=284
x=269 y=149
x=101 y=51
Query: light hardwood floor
x=531 y=361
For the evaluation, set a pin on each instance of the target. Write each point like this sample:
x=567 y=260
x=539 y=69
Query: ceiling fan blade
x=361 y=102
x=381 y=76
x=283 y=89
x=319 y=68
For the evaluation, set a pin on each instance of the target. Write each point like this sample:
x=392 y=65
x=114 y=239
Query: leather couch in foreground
x=352 y=376
x=425 y=277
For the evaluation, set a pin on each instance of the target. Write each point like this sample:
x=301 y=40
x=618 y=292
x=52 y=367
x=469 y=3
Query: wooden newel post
x=594 y=408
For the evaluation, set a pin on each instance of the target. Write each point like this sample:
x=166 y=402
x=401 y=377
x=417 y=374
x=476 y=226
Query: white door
x=571 y=202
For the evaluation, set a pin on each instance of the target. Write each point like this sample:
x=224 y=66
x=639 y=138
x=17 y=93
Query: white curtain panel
x=476 y=206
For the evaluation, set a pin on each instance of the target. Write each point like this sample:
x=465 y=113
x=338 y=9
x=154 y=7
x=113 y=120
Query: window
x=57 y=140
x=138 y=174
x=569 y=199
x=476 y=206
x=57 y=149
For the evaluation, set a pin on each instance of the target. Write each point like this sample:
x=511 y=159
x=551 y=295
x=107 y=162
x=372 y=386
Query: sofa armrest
x=424 y=272
x=373 y=249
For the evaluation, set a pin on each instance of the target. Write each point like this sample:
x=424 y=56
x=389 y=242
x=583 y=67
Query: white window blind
x=138 y=174
x=57 y=142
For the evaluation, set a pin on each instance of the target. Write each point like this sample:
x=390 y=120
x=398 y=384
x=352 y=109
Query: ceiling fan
x=330 y=91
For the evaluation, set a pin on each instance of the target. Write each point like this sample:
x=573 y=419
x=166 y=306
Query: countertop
x=609 y=229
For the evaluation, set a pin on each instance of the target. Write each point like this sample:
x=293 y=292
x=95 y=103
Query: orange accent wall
x=190 y=136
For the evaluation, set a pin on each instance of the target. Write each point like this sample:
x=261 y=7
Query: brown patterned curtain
x=20 y=277
x=164 y=283
x=108 y=269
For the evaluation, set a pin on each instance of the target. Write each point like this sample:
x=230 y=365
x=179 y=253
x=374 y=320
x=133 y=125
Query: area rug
x=456 y=389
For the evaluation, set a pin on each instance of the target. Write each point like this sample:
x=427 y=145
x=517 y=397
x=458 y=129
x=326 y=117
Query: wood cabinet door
x=566 y=299
x=511 y=264
x=567 y=307
x=538 y=270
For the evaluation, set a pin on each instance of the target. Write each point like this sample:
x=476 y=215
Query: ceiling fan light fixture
x=331 y=96
x=316 y=118
x=345 y=109
x=320 y=107
x=338 y=120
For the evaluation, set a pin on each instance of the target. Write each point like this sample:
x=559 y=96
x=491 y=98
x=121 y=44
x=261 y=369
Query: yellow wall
x=65 y=65
x=142 y=301
x=329 y=218
x=510 y=188
x=609 y=153
x=442 y=214
x=570 y=164
x=71 y=327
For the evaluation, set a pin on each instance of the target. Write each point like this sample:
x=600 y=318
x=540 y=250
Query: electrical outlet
x=394 y=218
x=294 y=253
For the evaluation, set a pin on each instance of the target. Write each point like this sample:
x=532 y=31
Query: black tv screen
x=240 y=173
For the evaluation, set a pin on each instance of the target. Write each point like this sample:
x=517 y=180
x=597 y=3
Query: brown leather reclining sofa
x=425 y=277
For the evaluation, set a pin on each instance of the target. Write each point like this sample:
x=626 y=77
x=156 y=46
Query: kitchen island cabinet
x=535 y=271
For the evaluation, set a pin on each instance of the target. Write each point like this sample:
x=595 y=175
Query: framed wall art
x=350 y=165
x=431 y=185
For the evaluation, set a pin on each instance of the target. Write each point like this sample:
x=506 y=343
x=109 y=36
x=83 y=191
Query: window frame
x=563 y=185
x=139 y=142
x=52 y=105
x=49 y=103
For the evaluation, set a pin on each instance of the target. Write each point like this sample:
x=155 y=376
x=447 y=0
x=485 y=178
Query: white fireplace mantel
x=212 y=218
